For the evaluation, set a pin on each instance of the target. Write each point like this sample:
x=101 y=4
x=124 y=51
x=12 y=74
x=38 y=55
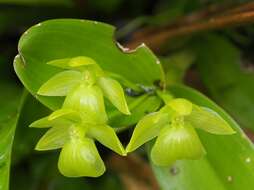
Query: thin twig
x=230 y=18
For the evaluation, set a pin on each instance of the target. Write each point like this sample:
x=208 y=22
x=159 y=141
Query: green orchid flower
x=82 y=118
x=174 y=126
x=85 y=72
x=79 y=156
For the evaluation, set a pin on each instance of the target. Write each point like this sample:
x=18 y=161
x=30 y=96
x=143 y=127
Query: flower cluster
x=173 y=125
x=82 y=117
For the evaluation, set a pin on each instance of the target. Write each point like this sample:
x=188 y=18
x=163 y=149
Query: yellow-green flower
x=173 y=125
x=76 y=139
x=82 y=118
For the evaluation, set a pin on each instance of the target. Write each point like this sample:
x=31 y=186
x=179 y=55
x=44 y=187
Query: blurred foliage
x=11 y=101
x=227 y=78
x=37 y=2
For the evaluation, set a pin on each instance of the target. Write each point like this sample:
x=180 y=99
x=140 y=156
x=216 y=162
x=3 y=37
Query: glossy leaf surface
x=66 y=38
x=10 y=101
x=227 y=77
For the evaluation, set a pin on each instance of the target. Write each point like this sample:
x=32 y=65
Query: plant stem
x=236 y=16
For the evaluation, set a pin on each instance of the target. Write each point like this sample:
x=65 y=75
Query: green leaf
x=147 y=128
x=208 y=120
x=60 y=84
x=228 y=164
x=114 y=92
x=11 y=100
x=226 y=78
x=79 y=157
x=54 y=138
x=176 y=143
x=176 y=65
x=106 y=136
x=40 y=44
x=32 y=109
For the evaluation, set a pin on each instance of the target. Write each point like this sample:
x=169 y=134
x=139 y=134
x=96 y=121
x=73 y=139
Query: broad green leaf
x=228 y=164
x=54 y=138
x=208 y=120
x=106 y=136
x=226 y=78
x=88 y=102
x=147 y=128
x=176 y=143
x=60 y=84
x=67 y=38
x=26 y=138
x=114 y=92
x=176 y=65
x=79 y=157
x=11 y=101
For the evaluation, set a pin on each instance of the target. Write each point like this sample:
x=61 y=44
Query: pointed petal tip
x=32 y=125
x=38 y=147
x=123 y=152
x=126 y=112
x=40 y=91
x=130 y=148
x=228 y=132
